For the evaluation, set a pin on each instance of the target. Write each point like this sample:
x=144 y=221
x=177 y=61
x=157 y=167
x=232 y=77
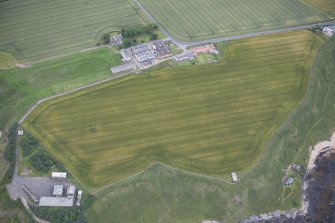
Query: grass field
x=199 y=20
x=210 y=119
x=20 y=88
x=163 y=195
x=7 y=60
x=326 y=5
x=36 y=29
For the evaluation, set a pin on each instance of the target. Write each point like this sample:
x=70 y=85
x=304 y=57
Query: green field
x=7 y=60
x=37 y=29
x=164 y=195
x=20 y=88
x=326 y=5
x=210 y=119
x=199 y=20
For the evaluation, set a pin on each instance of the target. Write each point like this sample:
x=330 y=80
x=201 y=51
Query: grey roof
x=71 y=190
x=56 y=201
x=140 y=48
x=125 y=55
x=161 y=47
x=185 y=56
x=145 y=56
x=116 y=39
x=289 y=181
x=58 y=190
x=123 y=67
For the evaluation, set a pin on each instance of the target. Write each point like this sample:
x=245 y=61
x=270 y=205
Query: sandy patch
x=325 y=145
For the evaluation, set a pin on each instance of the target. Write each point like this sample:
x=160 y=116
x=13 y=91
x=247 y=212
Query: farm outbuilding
x=58 y=190
x=289 y=181
x=58 y=175
x=70 y=191
x=185 y=56
x=126 y=57
x=209 y=48
x=79 y=195
x=56 y=202
x=234 y=177
x=145 y=56
x=116 y=40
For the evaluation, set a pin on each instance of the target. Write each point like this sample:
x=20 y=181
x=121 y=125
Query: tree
x=105 y=38
x=153 y=36
x=127 y=43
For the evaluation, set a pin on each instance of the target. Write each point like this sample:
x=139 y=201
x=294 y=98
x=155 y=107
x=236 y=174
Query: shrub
x=42 y=161
x=9 y=153
x=28 y=144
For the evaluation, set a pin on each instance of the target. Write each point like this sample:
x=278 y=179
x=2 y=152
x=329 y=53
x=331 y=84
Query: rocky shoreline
x=318 y=198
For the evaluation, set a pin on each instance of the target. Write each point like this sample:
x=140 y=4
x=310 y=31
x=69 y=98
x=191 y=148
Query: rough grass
x=164 y=195
x=199 y=20
x=326 y=5
x=211 y=119
x=7 y=60
x=40 y=29
x=20 y=88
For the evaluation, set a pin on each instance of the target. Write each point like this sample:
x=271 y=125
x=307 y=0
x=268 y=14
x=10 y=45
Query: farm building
x=126 y=57
x=58 y=191
x=209 y=48
x=234 y=177
x=161 y=47
x=289 y=181
x=79 y=194
x=145 y=56
x=56 y=202
x=185 y=56
x=124 y=67
x=70 y=191
x=329 y=30
x=116 y=40
x=58 y=175
x=140 y=48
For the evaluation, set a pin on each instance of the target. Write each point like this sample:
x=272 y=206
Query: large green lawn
x=164 y=195
x=21 y=88
x=209 y=119
x=199 y=20
x=37 y=29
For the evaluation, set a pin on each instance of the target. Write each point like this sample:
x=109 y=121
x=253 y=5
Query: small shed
x=79 y=195
x=58 y=175
x=289 y=181
x=58 y=191
x=234 y=177
x=20 y=133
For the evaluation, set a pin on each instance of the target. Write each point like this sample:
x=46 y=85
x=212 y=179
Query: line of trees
x=10 y=153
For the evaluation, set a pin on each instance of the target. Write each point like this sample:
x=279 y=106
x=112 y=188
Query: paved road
x=183 y=44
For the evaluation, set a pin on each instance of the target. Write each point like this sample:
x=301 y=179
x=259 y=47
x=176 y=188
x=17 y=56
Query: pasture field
x=37 y=29
x=200 y=20
x=326 y=5
x=209 y=119
x=7 y=60
x=20 y=88
x=167 y=196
